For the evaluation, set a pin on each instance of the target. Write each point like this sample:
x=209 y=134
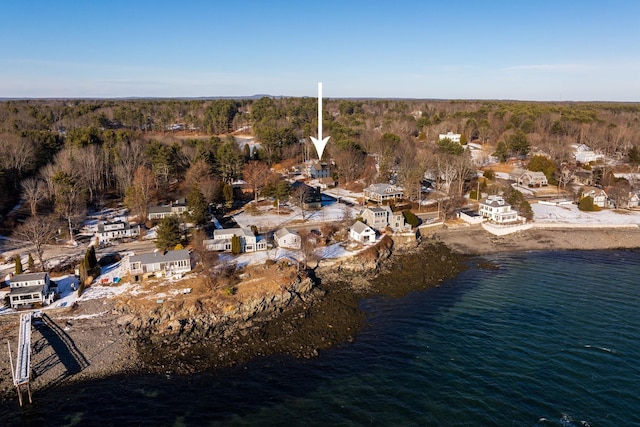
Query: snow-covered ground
x=266 y=218
x=570 y=214
x=336 y=250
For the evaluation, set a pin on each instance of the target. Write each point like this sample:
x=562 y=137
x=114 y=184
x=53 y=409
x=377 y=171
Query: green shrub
x=411 y=218
x=474 y=195
x=229 y=290
x=489 y=174
x=586 y=204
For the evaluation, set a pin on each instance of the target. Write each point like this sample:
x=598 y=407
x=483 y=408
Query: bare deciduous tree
x=38 y=231
x=141 y=192
x=17 y=153
x=34 y=191
x=255 y=174
x=129 y=155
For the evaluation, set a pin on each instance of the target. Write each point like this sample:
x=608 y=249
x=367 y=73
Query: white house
x=382 y=192
x=495 y=209
x=167 y=263
x=248 y=241
x=454 y=137
x=286 y=238
x=317 y=170
x=176 y=208
x=584 y=154
x=599 y=196
x=382 y=217
x=116 y=230
x=361 y=232
x=30 y=288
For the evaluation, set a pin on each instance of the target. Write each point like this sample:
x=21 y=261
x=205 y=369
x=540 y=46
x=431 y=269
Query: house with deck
x=160 y=263
x=496 y=209
x=30 y=288
x=382 y=192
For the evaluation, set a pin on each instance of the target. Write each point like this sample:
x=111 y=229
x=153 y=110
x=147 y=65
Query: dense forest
x=62 y=157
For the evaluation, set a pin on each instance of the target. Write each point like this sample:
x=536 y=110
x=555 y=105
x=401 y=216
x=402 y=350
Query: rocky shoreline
x=99 y=338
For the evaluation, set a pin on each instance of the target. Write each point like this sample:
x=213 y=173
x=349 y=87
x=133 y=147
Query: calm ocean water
x=549 y=339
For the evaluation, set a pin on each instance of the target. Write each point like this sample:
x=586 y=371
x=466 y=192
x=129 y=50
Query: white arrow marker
x=320 y=143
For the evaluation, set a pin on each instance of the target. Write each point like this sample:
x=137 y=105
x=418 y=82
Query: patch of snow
x=570 y=214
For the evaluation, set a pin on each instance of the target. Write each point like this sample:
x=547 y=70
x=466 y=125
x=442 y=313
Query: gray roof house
x=29 y=288
x=496 y=209
x=286 y=238
x=108 y=231
x=168 y=263
x=176 y=208
x=361 y=232
x=382 y=192
x=248 y=241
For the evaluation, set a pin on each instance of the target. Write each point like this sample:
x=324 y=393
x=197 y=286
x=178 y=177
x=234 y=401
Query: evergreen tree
x=197 y=206
x=411 y=218
x=92 y=262
x=228 y=195
x=31 y=263
x=236 y=245
x=168 y=233
x=18 y=264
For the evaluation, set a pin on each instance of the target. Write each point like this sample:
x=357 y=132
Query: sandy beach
x=473 y=240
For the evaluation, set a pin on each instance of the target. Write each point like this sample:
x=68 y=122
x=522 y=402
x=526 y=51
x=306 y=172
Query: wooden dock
x=22 y=370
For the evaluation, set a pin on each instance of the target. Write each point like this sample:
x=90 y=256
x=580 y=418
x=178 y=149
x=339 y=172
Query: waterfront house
x=167 y=263
x=496 y=209
x=30 y=288
x=286 y=238
x=382 y=217
x=382 y=193
x=361 y=232
x=248 y=241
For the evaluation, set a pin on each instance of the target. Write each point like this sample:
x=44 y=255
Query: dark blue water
x=550 y=338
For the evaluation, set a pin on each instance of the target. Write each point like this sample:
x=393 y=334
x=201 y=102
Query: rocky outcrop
x=190 y=322
x=368 y=261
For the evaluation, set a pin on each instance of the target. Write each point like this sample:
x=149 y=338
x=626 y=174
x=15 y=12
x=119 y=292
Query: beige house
x=382 y=217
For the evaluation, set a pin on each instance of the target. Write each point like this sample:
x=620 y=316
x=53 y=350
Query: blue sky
x=528 y=50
